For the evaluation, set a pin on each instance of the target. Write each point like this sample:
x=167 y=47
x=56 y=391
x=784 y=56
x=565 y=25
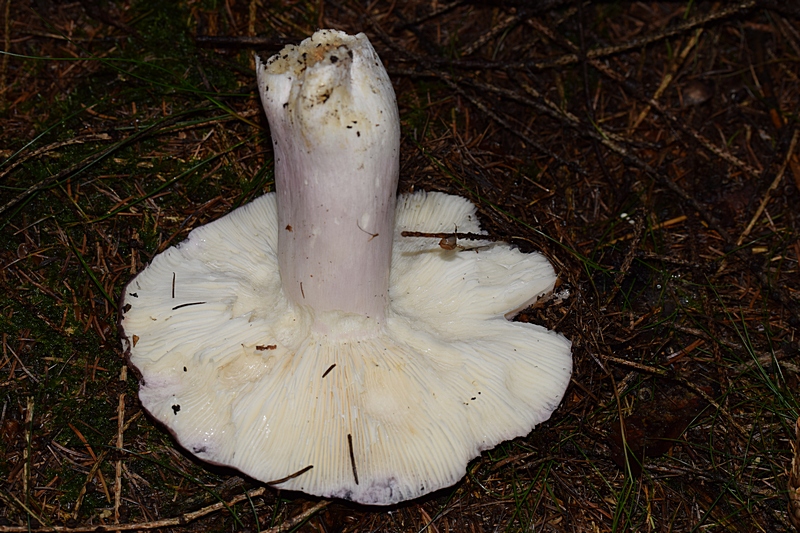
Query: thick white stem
x=336 y=136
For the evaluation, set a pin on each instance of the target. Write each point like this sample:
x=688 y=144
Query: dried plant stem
x=26 y=454
x=181 y=520
x=33 y=154
x=435 y=12
x=685 y=382
x=11 y=500
x=654 y=104
x=123 y=376
x=19 y=361
x=595 y=53
x=251 y=18
x=772 y=187
x=669 y=76
x=91 y=160
x=677 y=29
x=661 y=225
x=6 y=48
x=509 y=126
x=794 y=481
x=496 y=30
x=300 y=518
x=624 y=269
x=96 y=466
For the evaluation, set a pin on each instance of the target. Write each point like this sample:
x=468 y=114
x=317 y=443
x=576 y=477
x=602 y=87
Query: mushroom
x=303 y=340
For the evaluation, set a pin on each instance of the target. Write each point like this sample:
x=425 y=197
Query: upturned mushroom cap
x=376 y=398
x=237 y=374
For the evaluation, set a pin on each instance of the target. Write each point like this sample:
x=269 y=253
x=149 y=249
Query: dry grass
x=649 y=149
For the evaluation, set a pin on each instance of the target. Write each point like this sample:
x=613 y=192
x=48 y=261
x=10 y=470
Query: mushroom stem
x=336 y=136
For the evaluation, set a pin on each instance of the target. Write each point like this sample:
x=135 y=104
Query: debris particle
x=262 y=347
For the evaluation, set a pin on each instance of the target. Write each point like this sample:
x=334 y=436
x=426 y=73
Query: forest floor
x=648 y=149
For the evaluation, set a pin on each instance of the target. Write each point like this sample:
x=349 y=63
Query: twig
x=772 y=187
x=96 y=466
x=92 y=159
x=6 y=48
x=685 y=382
x=181 y=520
x=241 y=41
x=83 y=440
x=508 y=126
x=80 y=139
x=669 y=76
x=427 y=62
x=597 y=53
x=442 y=9
x=465 y=236
x=291 y=476
x=678 y=123
x=793 y=485
x=21 y=364
x=352 y=457
x=13 y=500
x=299 y=519
x=705 y=335
x=629 y=255
x=26 y=454
x=503 y=26
x=123 y=377
x=660 y=225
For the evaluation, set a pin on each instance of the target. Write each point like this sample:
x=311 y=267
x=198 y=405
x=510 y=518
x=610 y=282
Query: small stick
x=329 y=370
x=793 y=485
x=180 y=520
x=187 y=305
x=772 y=187
x=662 y=372
x=236 y=41
x=123 y=377
x=6 y=48
x=26 y=453
x=291 y=476
x=669 y=76
x=83 y=440
x=22 y=366
x=449 y=241
x=34 y=154
x=465 y=236
x=671 y=360
x=352 y=456
x=93 y=471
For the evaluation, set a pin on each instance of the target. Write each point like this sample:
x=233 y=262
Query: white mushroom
x=303 y=334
